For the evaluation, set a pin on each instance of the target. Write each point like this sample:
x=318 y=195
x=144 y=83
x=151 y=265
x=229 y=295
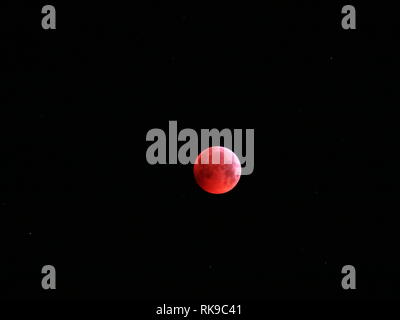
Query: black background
x=76 y=191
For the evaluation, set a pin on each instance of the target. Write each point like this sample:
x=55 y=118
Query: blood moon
x=217 y=170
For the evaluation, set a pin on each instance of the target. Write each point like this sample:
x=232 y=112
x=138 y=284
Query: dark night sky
x=76 y=191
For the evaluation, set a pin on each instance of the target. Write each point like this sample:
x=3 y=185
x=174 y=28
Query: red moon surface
x=217 y=170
